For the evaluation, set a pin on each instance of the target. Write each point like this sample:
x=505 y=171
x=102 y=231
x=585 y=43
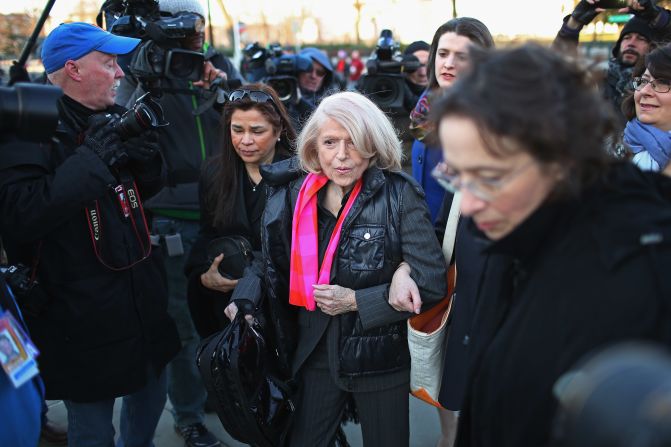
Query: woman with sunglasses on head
x=256 y=131
x=340 y=220
x=448 y=59
x=589 y=236
x=648 y=132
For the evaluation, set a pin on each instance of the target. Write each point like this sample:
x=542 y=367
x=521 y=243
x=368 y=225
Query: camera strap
x=127 y=197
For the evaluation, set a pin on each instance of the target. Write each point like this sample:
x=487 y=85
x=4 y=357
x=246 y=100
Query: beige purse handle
x=451 y=228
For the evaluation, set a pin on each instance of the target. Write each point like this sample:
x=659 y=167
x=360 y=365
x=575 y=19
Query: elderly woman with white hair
x=341 y=218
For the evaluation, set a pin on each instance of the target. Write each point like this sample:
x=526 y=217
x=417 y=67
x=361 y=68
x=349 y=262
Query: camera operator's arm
x=145 y=162
x=657 y=17
x=44 y=186
x=210 y=73
x=568 y=36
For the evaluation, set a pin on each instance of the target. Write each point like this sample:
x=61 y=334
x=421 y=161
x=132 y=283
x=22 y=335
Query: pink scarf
x=305 y=244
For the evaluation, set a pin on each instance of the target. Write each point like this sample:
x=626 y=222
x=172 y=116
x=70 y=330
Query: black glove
x=103 y=140
x=584 y=12
x=649 y=12
x=18 y=73
x=144 y=147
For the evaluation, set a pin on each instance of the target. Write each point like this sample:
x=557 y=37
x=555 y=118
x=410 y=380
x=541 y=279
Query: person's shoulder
x=402 y=178
x=281 y=172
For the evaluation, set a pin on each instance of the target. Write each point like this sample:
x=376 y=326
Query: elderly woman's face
x=498 y=193
x=338 y=158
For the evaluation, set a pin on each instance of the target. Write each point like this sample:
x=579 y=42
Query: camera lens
x=145 y=114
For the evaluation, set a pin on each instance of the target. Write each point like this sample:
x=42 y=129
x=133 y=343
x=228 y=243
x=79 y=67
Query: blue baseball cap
x=71 y=41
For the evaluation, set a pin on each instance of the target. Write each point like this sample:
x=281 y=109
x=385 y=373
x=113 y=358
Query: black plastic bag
x=254 y=404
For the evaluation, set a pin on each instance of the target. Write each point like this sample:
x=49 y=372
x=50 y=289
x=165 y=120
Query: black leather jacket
x=388 y=223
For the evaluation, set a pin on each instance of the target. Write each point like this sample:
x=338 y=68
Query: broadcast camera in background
x=159 y=56
x=276 y=69
x=384 y=81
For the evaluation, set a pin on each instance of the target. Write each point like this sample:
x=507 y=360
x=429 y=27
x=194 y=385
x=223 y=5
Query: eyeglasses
x=256 y=96
x=658 y=85
x=483 y=188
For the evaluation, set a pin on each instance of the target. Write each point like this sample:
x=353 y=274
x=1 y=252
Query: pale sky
x=409 y=19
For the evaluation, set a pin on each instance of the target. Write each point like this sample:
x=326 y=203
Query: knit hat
x=416 y=46
x=634 y=25
x=177 y=6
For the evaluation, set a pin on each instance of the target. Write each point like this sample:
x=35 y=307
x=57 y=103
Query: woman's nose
x=247 y=138
x=470 y=204
x=342 y=150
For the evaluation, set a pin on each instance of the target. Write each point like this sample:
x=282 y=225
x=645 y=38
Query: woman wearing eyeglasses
x=256 y=131
x=647 y=134
x=339 y=221
x=589 y=236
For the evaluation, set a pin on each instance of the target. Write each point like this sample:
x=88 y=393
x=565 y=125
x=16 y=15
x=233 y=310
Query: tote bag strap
x=451 y=228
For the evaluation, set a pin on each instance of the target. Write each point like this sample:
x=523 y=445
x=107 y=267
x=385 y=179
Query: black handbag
x=237 y=252
x=254 y=404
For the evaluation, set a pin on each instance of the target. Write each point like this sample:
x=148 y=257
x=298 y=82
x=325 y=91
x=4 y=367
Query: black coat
x=102 y=331
x=367 y=349
x=206 y=305
x=475 y=267
x=584 y=274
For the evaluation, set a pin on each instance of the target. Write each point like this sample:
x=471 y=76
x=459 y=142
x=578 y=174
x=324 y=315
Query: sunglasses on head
x=256 y=96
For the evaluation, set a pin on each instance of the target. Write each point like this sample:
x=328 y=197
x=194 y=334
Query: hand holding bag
x=237 y=251
x=427 y=332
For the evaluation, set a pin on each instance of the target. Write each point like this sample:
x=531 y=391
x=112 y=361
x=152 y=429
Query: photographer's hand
x=103 y=140
x=645 y=9
x=143 y=148
x=210 y=73
x=583 y=13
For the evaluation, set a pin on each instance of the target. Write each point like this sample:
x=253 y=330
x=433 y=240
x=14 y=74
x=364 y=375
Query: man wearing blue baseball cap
x=72 y=210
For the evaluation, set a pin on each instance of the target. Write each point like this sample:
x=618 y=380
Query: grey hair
x=372 y=132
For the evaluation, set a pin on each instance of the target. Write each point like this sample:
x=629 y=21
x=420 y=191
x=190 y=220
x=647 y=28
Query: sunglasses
x=319 y=72
x=256 y=96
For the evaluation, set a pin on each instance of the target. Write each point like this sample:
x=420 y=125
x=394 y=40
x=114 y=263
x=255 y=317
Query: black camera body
x=159 y=55
x=384 y=81
x=29 y=294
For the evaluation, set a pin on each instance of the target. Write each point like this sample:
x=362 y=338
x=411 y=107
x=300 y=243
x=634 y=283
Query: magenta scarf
x=303 y=270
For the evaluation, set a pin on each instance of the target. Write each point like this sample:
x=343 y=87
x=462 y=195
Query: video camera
x=159 y=55
x=384 y=81
x=29 y=111
x=276 y=69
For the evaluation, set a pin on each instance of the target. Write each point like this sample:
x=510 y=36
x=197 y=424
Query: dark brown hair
x=540 y=102
x=220 y=198
x=475 y=30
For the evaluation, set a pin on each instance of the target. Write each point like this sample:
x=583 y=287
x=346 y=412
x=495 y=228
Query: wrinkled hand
x=232 y=310
x=403 y=291
x=103 y=140
x=213 y=280
x=585 y=11
x=334 y=300
x=144 y=147
x=210 y=73
x=645 y=9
